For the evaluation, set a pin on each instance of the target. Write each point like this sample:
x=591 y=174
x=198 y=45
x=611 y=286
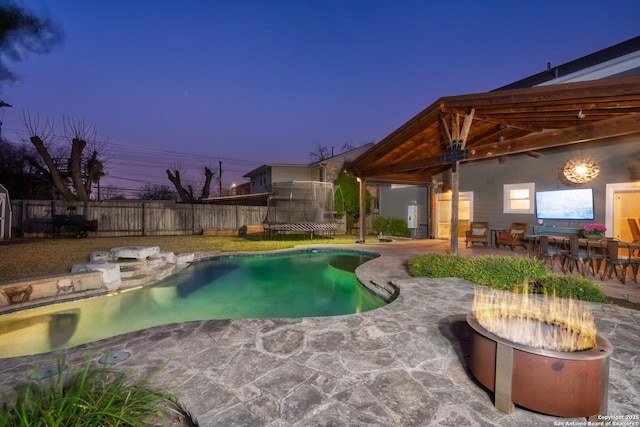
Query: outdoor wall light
x=581 y=170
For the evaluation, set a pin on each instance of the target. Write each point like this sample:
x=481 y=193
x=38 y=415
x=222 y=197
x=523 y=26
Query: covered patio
x=476 y=127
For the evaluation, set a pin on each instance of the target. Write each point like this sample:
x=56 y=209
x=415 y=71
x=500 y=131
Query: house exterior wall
x=617 y=159
x=262 y=177
x=395 y=202
x=290 y=173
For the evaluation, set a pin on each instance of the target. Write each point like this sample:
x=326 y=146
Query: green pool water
x=299 y=284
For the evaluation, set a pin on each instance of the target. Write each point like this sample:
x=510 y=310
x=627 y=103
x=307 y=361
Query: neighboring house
x=327 y=170
x=258 y=190
x=485 y=185
x=261 y=178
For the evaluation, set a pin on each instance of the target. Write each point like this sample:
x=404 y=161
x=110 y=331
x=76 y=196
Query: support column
x=455 y=153
x=455 y=203
x=363 y=208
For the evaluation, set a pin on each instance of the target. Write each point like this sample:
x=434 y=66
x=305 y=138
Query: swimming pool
x=294 y=284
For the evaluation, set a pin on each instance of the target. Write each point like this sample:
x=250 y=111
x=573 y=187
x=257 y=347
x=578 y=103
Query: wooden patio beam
x=590 y=131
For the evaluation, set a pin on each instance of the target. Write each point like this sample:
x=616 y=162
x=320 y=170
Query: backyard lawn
x=28 y=258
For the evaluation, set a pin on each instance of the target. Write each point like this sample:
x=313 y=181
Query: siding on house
x=394 y=203
x=486 y=178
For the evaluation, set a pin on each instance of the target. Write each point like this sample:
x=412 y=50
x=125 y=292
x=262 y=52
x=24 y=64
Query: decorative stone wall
x=107 y=271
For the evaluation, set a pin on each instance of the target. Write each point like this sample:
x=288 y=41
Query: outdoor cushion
x=478 y=232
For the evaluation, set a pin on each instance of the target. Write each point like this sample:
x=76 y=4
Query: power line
x=148 y=165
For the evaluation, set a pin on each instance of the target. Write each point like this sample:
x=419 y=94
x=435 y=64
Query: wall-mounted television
x=565 y=204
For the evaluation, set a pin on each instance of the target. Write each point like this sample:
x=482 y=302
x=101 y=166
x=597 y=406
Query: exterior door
x=443 y=214
x=623 y=202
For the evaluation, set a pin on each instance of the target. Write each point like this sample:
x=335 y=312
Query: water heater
x=412 y=216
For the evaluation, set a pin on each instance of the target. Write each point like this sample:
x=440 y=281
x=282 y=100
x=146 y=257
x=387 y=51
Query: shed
x=5 y=214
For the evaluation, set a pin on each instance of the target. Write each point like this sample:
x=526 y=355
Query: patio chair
x=514 y=236
x=545 y=252
x=635 y=231
x=614 y=262
x=478 y=233
x=596 y=253
x=576 y=257
x=635 y=266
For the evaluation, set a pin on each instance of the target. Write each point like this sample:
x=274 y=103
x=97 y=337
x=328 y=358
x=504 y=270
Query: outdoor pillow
x=516 y=232
x=478 y=231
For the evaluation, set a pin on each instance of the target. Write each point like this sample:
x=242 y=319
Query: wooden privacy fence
x=32 y=218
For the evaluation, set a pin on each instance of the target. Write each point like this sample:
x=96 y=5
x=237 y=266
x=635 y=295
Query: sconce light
x=581 y=170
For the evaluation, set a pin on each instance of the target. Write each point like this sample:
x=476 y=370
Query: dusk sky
x=192 y=83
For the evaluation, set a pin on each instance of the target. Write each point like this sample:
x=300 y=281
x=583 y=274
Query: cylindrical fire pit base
x=564 y=384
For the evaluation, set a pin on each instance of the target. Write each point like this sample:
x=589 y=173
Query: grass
x=44 y=257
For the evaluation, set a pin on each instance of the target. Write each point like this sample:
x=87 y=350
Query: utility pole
x=220 y=178
x=3 y=104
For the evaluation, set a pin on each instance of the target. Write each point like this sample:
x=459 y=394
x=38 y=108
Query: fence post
x=144 y=231
x=23 y=217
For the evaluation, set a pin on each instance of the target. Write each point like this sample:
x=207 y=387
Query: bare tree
x=156 y=192
x=319 y=154
x=88 y=156
x=21 y=173
x=348 y=146
x=41 y=136
x=186 y=191
x=112 y=193
x=73 y=179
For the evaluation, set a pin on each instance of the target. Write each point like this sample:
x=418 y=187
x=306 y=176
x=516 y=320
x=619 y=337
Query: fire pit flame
x=539 y=321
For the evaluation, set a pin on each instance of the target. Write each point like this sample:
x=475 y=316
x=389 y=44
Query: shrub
x=394 y=226
x=436 y=265
x=571 y=287
x=381 y=224
x=503 y=272
x=508 y=273
x=398 y=227
x=91 y=396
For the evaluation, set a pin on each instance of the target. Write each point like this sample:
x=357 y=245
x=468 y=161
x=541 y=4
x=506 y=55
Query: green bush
x=394 y=226
x=508 y=273
x=571 y=287
x=436 y=265
x=91 y=396
x=398 y=227
x=503 y=272
x=381 y=224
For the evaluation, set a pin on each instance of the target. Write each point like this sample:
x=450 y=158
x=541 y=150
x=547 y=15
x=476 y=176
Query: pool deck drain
x=47 y=372
x=405 y=364
x=114 y=358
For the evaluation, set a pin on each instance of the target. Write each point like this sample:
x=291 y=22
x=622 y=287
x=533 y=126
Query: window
x=518 y=198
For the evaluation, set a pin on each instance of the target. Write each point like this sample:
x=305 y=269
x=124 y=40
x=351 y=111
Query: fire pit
x=542 y=354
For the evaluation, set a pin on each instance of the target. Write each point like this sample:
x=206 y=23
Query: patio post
x=363 y=208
